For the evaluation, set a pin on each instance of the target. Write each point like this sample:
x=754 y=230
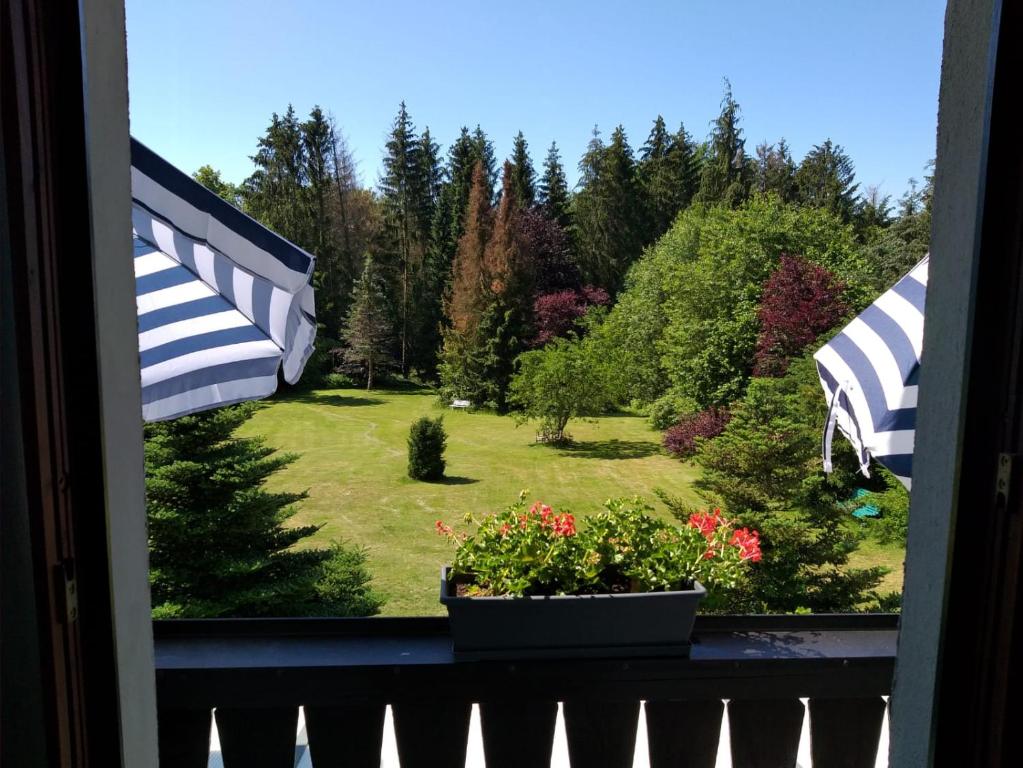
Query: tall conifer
x=523 y=179
x=554 y=187
x=367 y=329
x=608 y=212
x=775 y=172
x=667 y=175
x=826 y=179
x=403 y=190
x=726 y=174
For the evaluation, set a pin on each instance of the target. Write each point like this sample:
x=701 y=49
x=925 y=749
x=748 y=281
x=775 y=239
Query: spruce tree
x=219 y=542
x=367 y=329
x=825 y=179
x=461 y=365
x=510 y=294
x=317 y=144
x=608 y=212
x=449 y=217
x=523 y=182
x=483 y=150
x=426 y=311
x=449 y=214
x=468 y=271
x=726 y=174
x=275 y=193
x=668 y=175
x=687 y=165
x=402 y=188
x=554 y=188
x=345 y=220
x=775 y=172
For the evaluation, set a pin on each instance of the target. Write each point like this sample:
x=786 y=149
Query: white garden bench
x=460 y=404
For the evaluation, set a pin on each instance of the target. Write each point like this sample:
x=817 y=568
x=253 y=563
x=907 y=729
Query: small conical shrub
x=426 y=442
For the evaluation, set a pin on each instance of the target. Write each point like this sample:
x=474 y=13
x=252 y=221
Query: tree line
x=454 y=264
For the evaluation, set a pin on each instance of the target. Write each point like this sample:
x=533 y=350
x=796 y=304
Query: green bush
x=893 y=504
x=338 y=381
x=426 y=443
x=669 y=409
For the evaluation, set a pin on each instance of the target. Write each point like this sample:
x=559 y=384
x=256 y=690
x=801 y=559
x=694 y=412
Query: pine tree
x=367 y=330
x=462 y=357
x=432 y=174
x=219 y=542
x=873 y=215
x=825 y=179
x=608 y=213
x=449 y=217
x=510 y=294
x=426 y=312
x=775 y=172
x=318 y=149
x=403 y=190
x=483 y=149
x=350 y=231
x=274 y=194
x=523 y=184
x=725 y=175
x=689 y=159
x=668 y=175
x=468 y=272
x=554 y=188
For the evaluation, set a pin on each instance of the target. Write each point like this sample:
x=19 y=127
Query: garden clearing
x=352 y=448
x=352 y=460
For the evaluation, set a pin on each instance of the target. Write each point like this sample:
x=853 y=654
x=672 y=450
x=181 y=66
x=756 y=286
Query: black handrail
x=257 y=672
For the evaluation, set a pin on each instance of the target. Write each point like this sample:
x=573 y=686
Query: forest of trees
x=688 y=279
x=454 y=263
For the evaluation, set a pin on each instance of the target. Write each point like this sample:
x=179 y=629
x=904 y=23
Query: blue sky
x=204 y=77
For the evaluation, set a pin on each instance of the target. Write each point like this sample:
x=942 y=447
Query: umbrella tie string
x=829 y=428
x=829 y=433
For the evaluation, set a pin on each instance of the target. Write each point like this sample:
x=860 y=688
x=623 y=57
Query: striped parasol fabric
x=869 y=374
x=223 y=302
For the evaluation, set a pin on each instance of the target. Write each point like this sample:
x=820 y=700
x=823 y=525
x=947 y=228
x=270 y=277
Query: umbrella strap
x=829 y=433
x=829 y=428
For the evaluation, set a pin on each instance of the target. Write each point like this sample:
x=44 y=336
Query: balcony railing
x=344 y=672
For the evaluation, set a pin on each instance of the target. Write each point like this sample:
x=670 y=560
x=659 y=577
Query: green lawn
x=352 y=447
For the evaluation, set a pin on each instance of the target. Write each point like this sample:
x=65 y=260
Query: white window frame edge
x=108 y=153
x=968 y=63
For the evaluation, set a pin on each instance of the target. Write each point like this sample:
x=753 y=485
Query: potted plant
x=527 y=582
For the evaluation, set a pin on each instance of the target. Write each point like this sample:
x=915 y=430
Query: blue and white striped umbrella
x=223 y=302
x=869 y=374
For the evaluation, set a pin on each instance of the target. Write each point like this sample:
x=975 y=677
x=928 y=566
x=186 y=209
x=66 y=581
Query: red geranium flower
x=747 y=543
x=706 y=523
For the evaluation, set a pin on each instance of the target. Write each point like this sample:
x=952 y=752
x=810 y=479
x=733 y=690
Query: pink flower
x=442 y=530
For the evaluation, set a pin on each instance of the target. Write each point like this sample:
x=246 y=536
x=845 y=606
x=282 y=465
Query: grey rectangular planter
x=564 y=626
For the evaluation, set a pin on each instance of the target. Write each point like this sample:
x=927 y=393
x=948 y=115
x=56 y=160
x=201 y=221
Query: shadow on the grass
x=322 y=398
x=454 y=480
x=609 y=449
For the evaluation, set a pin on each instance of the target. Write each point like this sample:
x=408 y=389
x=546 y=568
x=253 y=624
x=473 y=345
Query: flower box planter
x=565 y=626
